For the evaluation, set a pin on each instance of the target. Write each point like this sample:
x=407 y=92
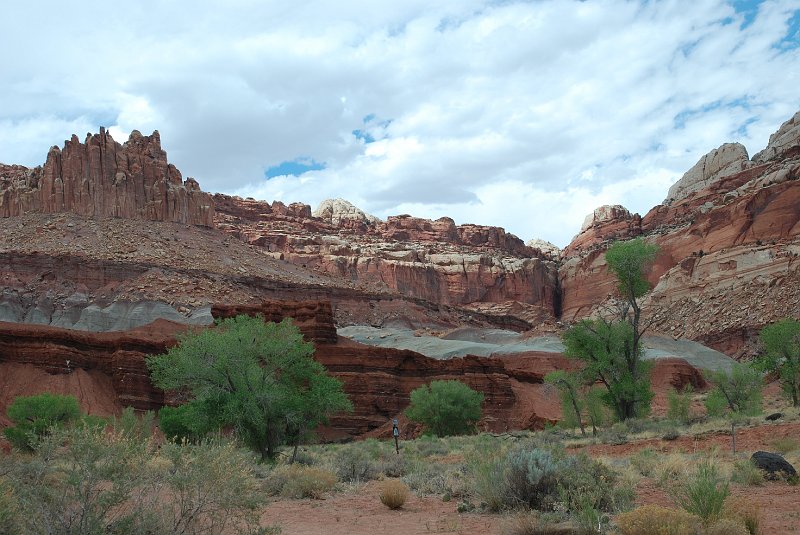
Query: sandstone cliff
x=436 y=261
x=729 y=234
x=101 y=178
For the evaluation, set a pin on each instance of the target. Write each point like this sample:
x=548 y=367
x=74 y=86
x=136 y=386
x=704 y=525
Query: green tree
x=737 y=392
x=446 y=407
x=259 y=378
x=611 y=349
x=781 y=355
x=572 y=405
x=35 y=416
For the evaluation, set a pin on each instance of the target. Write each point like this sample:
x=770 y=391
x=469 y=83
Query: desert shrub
x=704 y=493
x=8 y=510
x=211 y=488
x=746 y=473
x=657 y=520
x=353 y=464
x=35 y=416
x=785 y=445
x=529 y=523
x=738 y=392
x=678 y=404
x=531 y=478
x=645 y=462
x=446 y=407
x=745 y=511
x=137 y=427
x=726 y=526
x=297 y=481
x=394 y=493
x=392 y=465
x=671 y=469
x=587 y=485
x=430 y=478
x=489 y=481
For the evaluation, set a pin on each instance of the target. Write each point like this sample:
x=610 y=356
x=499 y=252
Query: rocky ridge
x=101 y=178
x=729 y=238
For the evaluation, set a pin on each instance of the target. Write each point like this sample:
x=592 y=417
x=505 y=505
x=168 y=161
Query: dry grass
x=726 y=526
x=394 y=493
x=657 y=520
x=744 y=511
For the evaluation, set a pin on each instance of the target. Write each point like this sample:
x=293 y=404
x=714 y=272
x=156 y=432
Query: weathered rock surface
x=101 y=178
x=437 y=261
x=729 y=239
x=378 y=380
x=773 y=465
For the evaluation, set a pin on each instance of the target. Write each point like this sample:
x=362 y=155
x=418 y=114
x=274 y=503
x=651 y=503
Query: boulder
x=773 y=465
x=728 y=159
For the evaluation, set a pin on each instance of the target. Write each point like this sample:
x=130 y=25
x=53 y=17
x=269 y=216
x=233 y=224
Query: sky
x=524 y=115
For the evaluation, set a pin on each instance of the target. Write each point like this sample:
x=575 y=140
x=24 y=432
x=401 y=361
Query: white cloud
x=517 y=114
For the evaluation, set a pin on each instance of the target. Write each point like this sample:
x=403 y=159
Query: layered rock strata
x=101 y=178
x=437 y=261
x=729 y=238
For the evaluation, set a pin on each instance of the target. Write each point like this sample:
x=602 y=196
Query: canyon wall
x=101 y=178
x=729 y=238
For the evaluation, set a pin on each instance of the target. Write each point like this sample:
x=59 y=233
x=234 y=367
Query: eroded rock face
x=101 y=178
x=437 y=261
x=729 y=239
x=378 y=380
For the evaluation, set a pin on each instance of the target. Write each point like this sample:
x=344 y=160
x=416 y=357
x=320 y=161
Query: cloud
x=525 y=115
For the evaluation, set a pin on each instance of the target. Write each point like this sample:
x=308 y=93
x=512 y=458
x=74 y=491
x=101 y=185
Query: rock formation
x=729 y=238
x=101 y=178
x=436 y=261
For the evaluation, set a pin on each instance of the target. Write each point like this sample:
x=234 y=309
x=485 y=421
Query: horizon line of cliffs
x=730 y=223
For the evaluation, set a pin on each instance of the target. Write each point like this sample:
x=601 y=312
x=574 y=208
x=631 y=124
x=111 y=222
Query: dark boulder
x=773 y=465
x=774 y=416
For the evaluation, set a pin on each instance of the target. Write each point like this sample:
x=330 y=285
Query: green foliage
x=738 y=392
x=446 y=407
x=190 y=422
x=572 y=404
x=353 y=463
x=628 y=261
x=781 y=343
x=260 y=378
x=35 y=416
x=137 y=427
x=703 y=494
x=548 y=481
x=678 y=404
x=607 y=349
x=84 y=480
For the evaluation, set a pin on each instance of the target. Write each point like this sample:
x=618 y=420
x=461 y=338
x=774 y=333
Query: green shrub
x=489 y=480
x=8 y=510
x=531 y=478
x=738 y=391
x=446 y=407
x=746 y=473
x=645 y=462
x=704 y=493
x=657 y=520
x=679 y=404
x=35 y=416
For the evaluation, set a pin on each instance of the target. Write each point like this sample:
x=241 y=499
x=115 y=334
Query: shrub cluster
x=547 y=480
x=394 y=493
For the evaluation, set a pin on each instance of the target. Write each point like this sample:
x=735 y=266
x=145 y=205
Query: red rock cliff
x=101 y=178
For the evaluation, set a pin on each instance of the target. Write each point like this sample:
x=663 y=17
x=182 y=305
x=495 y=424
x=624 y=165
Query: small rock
x=774 y=416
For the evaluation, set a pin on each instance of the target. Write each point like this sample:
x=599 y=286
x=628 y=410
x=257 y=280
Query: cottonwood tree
x=259 y=378
x=781 y=355
x=611 y=349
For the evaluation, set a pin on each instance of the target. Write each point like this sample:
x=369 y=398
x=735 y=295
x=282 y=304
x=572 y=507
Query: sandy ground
x=362 y=513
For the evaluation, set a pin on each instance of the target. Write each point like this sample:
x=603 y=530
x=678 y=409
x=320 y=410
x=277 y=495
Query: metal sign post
x=396 y=435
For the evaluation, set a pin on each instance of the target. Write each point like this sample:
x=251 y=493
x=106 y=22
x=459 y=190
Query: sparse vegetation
x=657 y=520
x=704 y=493
x=394 y=493
x=679 y=404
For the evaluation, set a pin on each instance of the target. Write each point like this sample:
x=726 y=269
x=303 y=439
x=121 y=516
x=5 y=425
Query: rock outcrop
x=101 y=178
x=729 y=238
x=436 y=261
x=378 y=380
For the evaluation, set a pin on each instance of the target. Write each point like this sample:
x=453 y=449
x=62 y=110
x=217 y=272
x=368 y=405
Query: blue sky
x=525 y=115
